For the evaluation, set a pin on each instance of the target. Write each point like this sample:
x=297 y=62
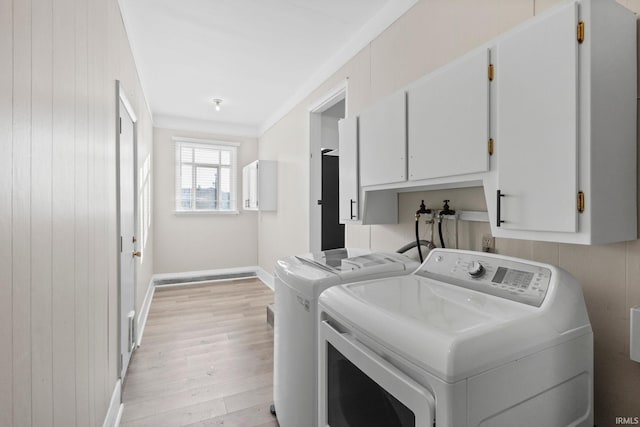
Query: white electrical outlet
x=488 y=243
x=634 y=339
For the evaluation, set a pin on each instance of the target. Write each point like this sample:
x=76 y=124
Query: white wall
x=59 y=60
x=193 y=242
x=285 y=231
x=428 y=36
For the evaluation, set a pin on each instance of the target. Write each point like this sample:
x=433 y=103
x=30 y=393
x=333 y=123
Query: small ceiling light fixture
x=217 y=101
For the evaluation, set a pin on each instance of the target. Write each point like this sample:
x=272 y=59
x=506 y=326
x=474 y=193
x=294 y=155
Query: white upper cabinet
x=537 y=124
x=383 y=141
x=348 y=169
x=260 y=185
x=565 y=139
x=448 y=119
x=560 y=110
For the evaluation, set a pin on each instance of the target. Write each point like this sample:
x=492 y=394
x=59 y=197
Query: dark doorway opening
x=332 y=230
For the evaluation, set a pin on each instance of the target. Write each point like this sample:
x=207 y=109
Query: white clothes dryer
x=299 y=280
x=469 y=339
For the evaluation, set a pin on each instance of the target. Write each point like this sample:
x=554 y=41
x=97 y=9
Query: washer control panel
x=516 y=281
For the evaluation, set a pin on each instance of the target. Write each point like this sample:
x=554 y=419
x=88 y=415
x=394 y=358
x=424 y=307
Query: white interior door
x=126 y=174
x=537 y=119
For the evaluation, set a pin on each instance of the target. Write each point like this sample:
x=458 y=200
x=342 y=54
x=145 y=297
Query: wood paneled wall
x=59 y=60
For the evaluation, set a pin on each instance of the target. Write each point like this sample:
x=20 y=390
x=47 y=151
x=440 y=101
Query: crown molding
x=204 y=126
x=380 y=22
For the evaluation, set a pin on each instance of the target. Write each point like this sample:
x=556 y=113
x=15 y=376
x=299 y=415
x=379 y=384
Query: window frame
x=232 y=148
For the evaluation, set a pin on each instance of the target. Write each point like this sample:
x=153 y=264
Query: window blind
x=206 y=176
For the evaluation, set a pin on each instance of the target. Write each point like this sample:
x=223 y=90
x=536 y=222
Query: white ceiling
x=261 y=57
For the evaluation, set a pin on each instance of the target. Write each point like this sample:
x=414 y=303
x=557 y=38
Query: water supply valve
x=423 y=210
x=446 y=210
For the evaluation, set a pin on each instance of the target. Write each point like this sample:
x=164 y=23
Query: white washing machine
x=299 y=280
x=470 y=339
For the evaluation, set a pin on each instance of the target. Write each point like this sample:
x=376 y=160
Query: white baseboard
x=188 y=274
x=144 y=311
x=114 y=413
x=119 y=417
x=266 y=278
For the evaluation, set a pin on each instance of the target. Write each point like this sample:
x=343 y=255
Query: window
x=205 y=176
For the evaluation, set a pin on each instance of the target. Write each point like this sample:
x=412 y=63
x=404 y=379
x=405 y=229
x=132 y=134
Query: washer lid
x=449 y=331
x=311 y=273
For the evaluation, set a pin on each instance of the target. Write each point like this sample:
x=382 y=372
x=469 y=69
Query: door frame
x=122 y=97
x=331 y=98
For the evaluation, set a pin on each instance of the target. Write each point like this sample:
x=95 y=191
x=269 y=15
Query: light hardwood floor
x=206 y=358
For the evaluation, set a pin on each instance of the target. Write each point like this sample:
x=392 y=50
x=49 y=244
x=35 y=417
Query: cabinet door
x=348 y=169
x=537 y=119
x=245 y=187
x=383 y=141
x=253 y=186
x=448 y=120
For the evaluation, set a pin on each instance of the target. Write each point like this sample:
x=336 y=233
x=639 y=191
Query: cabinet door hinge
x=580 y=201
x=490 y=146
x=580 y=31
x=491 y=72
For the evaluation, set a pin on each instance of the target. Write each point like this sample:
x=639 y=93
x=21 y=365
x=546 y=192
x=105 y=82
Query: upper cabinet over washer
x=537 y=123
x=543 y=117
x=566 y=101
x=448 y=119
x=383 y=141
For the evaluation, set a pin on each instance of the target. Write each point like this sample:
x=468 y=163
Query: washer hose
x=445 y=211
x=418 y=241
x=423 y=210
x=413 y=244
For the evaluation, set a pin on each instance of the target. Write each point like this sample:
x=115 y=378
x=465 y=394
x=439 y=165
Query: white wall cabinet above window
x=448 y=119
x=383 y=141
x=260 y=186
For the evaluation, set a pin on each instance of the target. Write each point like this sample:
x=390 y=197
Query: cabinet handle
x=498 y=214
x=352 y=203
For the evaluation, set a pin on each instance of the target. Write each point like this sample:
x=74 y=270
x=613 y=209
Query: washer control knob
x=476 y=269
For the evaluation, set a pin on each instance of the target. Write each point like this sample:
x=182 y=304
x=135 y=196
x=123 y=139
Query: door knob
x=137 y=253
